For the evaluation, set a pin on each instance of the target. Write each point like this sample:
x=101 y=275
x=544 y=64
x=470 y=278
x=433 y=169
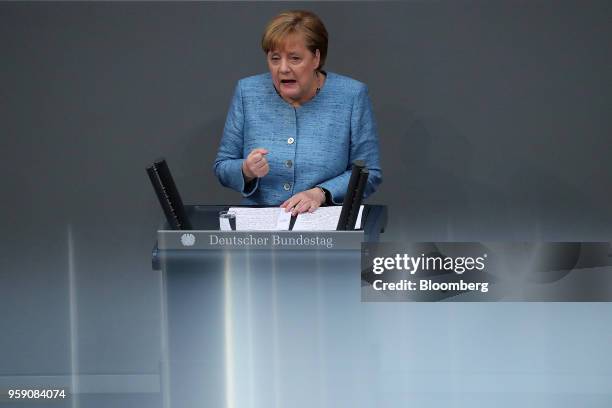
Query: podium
x=262 y=319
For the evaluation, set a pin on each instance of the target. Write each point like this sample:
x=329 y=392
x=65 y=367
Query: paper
x=284 y=219
x=225 y=224
x=358 y=221
x=276 y=219
x=261 y=219
x=323 y=219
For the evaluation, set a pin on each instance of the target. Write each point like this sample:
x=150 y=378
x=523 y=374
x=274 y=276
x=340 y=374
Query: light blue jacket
x=312 y=145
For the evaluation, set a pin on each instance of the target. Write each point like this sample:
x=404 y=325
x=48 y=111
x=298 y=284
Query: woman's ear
x=317 y=56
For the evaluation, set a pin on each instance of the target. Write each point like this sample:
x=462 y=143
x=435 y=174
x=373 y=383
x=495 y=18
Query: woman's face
x=293 y=69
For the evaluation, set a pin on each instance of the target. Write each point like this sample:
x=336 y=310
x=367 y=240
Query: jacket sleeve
x=364 y=146
x=228 y=164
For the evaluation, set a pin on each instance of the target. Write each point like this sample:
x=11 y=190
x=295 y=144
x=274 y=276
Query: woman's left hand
x=308 y=200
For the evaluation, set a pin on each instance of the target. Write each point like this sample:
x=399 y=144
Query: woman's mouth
x=288 y=82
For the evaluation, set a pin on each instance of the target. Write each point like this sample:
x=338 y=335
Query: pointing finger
x=300 y=207
x=295 y=201
x=306 y=206
x=287 y=203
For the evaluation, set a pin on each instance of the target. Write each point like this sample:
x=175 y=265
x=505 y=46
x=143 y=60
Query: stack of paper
x=277 y=219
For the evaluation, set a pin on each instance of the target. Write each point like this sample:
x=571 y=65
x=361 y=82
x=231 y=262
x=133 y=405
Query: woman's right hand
x=256 y=164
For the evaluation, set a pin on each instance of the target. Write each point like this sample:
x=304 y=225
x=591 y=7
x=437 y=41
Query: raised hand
x=256 y=164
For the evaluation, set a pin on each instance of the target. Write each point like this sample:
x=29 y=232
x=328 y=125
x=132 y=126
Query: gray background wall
x=494 y=121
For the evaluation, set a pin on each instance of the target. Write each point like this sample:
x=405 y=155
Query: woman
x=291 y=134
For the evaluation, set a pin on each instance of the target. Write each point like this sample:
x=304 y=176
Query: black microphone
x=363 y=179
x=168 y=195
x=347 y=204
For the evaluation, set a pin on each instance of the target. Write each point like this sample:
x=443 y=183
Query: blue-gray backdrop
x=494 y=121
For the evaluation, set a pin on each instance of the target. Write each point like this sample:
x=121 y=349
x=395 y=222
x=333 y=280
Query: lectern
x=262 y=319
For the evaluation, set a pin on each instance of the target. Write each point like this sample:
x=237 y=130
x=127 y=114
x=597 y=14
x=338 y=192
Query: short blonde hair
x=296 y=21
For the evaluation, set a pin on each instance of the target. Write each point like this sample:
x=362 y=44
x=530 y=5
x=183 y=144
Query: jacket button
x=290 y=140
x=288 y=163
x=287 y=186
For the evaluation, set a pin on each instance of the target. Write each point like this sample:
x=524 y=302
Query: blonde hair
x=296 y=21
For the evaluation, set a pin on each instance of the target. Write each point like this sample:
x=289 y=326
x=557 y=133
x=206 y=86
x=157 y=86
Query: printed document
x=261 y=219
x=323 y=219
x=276 y=219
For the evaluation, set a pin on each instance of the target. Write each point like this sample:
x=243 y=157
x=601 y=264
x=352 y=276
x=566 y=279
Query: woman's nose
x=284 y=65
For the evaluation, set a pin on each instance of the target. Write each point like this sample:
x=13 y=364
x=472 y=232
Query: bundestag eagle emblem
x=187 y=239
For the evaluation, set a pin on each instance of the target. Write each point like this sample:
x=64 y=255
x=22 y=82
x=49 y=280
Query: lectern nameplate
x=268 y=240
